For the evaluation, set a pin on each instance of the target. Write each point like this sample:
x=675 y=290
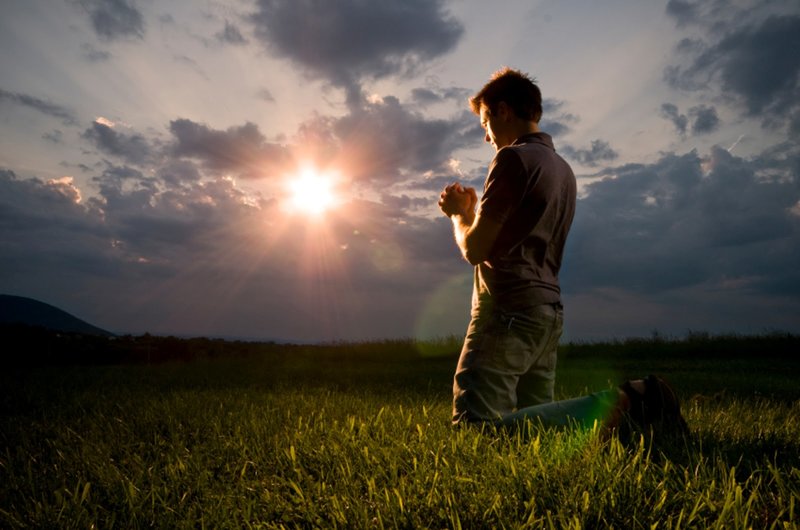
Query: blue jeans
x=583 y=411
x=508 y=362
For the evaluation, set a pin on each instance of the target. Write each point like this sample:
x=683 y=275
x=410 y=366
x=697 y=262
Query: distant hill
x=30 y=312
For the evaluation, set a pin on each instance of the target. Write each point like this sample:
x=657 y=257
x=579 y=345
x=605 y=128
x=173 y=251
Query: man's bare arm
x=476 y=238
x=474 y=234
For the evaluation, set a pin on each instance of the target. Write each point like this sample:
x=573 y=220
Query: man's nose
x=487 y=139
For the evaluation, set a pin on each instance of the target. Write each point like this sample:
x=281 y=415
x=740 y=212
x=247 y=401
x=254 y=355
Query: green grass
x=342 y=436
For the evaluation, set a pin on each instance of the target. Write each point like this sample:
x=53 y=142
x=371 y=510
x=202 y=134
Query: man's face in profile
x=495 y=126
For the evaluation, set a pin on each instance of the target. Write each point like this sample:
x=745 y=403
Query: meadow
x=235 y=435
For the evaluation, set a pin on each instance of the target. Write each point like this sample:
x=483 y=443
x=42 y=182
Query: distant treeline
x=27 y=345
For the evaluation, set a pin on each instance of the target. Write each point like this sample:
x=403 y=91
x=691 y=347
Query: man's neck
x=525 y=128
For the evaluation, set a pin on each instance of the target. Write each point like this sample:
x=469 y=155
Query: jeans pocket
x=506 y=347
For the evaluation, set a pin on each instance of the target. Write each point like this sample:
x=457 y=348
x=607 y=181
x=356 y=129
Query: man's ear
x=503 y=111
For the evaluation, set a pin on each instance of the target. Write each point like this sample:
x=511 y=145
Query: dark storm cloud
x=344 y=41
x=133 y=148
x=45 y=107
x=599 y=152
x=242 y=148
x=688 y=222
x=115 y=19
x=750 y=55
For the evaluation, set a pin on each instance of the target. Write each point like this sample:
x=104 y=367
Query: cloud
x=191 y=64
x=156 y=223
x=180 y=251
x=346 y=41
x=93 y=55
x=670 y=112
x=599 y=152
x=230 y=34
x=705 y=119
x=265 y=95
x=424 y=96
x=760 y=64
x=385 y=137
x=45 y=225
x=384 y=141
x=208 y=258
x=683 y=12
x=716 y=223
x=133 y=148
x=54 y=136
x=241 y=149
x=794 y=126
x=115 y=19
x=558 y=125
x=749 y=57
x=45 y=107
x=174 y=173
x=164 y=218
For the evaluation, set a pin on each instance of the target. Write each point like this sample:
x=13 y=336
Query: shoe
x=655 y=411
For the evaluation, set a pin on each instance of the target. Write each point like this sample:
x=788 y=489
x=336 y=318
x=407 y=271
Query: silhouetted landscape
x=753 y=364
x=20 y=310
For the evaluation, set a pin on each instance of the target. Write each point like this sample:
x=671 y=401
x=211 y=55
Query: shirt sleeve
x=504 y=188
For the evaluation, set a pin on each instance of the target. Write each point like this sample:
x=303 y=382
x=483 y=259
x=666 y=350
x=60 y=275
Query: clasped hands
x=455 y=199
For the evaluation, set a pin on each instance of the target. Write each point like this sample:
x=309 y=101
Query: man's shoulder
x=507 y=160
x=534 y=154
x=535 y=139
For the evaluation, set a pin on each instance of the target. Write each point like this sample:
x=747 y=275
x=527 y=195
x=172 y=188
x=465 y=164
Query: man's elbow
x=475 y=256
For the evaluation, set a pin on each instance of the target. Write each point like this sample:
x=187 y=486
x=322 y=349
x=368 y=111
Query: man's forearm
x=461 y=227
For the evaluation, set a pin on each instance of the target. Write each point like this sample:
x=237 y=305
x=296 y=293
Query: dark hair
x=513 y=87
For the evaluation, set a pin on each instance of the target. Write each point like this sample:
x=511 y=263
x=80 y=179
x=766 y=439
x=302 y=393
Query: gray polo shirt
x=531 y=191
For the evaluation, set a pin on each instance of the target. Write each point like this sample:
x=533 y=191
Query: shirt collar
x=535 y=138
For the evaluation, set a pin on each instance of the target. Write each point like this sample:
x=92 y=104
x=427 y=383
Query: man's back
x=531 y=191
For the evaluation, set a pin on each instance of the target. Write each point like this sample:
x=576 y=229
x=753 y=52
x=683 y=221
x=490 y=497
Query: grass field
x=357 y=436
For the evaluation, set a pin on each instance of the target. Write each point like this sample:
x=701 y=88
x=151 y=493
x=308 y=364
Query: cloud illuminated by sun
x=311 y=192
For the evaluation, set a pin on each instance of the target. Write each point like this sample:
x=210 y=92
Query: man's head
x=516 y=89
x=509 y=105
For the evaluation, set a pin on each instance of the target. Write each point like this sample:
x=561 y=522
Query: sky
x=148 y=151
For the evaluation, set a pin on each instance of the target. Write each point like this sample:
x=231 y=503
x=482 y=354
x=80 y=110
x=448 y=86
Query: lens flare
x=311 y=193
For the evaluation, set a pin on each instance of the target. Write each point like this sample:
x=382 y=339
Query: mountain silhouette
x=30 y=312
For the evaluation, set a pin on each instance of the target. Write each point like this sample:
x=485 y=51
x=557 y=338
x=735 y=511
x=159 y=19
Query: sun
x=311 y=193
